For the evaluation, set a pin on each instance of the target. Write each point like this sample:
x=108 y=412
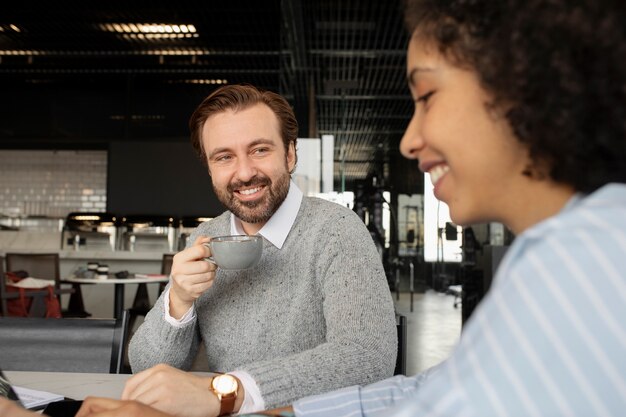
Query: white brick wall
x=52 y=183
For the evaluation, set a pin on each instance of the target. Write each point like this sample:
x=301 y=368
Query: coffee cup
x=235 y=252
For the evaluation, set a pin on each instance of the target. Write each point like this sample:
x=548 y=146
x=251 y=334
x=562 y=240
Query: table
x=71 y=385
x=75 y=385
x=141 y=300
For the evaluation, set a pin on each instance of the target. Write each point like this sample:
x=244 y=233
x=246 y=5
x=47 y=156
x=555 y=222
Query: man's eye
x=223 y=158
x=260 y=150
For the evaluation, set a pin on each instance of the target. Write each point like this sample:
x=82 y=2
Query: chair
x=63 y=345
x=38 y=265
x=141 y=303
x=401 y=358
x=38 y=305
x=3 y=295
x=166 y=268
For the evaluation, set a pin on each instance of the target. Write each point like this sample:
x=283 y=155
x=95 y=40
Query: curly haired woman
x=520 y=117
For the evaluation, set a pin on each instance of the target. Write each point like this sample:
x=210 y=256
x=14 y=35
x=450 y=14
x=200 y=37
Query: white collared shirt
x=274 y=231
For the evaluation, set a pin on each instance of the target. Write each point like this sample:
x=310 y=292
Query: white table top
x=74 y=385
x=71 y=385
x=113 y=280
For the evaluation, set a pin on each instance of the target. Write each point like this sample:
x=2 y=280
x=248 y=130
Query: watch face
x=224 y=384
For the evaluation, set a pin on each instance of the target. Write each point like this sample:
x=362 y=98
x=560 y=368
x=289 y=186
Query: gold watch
x=225 y=387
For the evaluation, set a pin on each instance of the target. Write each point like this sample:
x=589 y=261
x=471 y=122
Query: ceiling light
x=15 y=28
x=167 y=30
x=86 y=217
x=211 y=81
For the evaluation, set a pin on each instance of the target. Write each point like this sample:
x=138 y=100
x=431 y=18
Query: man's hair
x=557 y=69
x=240 y=97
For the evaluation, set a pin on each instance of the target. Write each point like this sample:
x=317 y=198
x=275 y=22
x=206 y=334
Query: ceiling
x=79 y=74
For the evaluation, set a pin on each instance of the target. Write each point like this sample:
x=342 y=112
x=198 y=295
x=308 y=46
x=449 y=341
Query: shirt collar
x=278 y=226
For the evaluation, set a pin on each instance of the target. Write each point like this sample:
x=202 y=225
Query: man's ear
x=292 y=158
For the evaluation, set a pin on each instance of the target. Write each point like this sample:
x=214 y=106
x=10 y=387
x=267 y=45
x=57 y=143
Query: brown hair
x=239 y=97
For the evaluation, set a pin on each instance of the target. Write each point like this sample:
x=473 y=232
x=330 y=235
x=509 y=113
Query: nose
x=246 y=170
x=412 y=142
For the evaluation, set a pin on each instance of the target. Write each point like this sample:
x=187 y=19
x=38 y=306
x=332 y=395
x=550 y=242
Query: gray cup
x=235 y=252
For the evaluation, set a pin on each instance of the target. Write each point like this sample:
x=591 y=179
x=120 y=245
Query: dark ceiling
x=79 y=75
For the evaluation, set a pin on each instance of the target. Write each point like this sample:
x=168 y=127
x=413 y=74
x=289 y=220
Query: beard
x=260 y=210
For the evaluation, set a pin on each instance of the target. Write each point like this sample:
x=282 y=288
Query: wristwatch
x=225 y=387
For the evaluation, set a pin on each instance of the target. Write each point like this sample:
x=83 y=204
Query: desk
x=75 y=385
x=119 y=287
x=71 y=385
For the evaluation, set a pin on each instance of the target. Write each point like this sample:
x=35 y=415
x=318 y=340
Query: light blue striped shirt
x=549 y=339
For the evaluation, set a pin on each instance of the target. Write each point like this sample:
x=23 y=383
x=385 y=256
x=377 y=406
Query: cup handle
x=209 y=258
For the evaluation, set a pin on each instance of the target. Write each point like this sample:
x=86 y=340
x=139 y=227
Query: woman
x=520 y=117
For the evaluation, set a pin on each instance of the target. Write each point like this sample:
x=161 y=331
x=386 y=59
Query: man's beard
x=257 y=211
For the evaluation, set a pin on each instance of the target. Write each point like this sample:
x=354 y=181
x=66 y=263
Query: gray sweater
x=311 y=317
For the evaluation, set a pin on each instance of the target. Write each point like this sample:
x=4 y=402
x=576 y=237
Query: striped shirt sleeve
x=362 y=401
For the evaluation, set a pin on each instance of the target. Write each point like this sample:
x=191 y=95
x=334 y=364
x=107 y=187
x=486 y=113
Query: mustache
x=254 y=181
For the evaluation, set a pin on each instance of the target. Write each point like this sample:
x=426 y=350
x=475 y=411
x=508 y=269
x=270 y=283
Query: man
x=313 y=315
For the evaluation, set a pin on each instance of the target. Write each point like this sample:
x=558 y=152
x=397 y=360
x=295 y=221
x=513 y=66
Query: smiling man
x=314 y=314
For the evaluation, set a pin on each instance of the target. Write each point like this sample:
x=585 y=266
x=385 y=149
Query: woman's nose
x=412 y=141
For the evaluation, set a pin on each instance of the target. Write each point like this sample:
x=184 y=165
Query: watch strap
x=227 y=404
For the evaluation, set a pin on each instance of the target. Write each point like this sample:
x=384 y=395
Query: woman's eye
x=424 y=98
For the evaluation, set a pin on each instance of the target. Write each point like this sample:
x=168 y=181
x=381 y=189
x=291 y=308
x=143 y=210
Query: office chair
x=401 y=358
x=63 y=345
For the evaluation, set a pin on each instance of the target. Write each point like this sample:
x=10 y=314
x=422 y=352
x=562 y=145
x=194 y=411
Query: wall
x=52 y=183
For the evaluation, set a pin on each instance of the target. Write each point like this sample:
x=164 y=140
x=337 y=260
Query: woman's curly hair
x=557 y=68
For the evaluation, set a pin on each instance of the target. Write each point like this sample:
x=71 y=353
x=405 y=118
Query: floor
x=433 y=328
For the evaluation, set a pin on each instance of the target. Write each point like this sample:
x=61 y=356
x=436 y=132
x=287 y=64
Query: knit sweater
x=311 y=317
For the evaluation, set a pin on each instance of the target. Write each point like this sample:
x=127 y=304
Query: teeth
x=437 y=172
x=250 y=191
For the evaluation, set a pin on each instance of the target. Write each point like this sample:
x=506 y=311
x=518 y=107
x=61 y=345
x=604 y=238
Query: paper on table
x=32 y=399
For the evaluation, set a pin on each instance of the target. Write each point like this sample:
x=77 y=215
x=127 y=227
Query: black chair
x=141 y=303
x=3 y=296
x=166 y=268
x=63 y=345
x=401 y=358
x=39 y=265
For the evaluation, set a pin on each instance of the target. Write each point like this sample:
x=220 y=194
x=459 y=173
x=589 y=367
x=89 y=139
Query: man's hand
x=107 y=407
x=10 y=408
x=173 y=391
x=191 y=276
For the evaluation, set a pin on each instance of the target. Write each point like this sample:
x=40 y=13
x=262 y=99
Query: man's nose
x=246 y=170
